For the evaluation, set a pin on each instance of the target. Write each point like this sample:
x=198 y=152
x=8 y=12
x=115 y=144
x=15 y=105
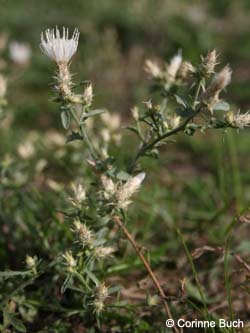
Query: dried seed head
x=174 y=66
x=88 y=95
x=209 y=63
x=84 y=233
x=59 y=48
x=128 y=189
x=153 y=69
x=70 y=261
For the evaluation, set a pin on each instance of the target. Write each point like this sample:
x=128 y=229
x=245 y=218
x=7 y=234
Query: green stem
x=81 y=279
x=85 y=136
x=149 y=145
x=197 y=93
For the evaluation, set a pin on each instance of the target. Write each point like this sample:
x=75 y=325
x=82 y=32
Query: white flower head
x=59 y=48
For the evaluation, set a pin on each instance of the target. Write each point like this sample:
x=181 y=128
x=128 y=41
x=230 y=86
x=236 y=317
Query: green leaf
x=92 y=277
x=122 y=175
x=65 y=118
x=132 y=129
x=16 y=323
x=92 y=114
x=66 y=283
x=180 y=101
x=9 y=274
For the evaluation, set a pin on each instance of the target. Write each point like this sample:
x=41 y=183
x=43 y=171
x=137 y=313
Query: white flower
x=20 y=52
x=57 y=48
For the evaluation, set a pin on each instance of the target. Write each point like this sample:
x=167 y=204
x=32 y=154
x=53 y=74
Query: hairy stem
x=146 y=264
x=85 y=136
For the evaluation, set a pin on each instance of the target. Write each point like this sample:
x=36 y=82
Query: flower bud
x=209 y=63
x=135 y=113
x=84 y=234
x=88 y=94
x=30 y=261
x=70 y=261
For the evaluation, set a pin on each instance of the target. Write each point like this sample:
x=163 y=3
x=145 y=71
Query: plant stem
x=149 y=145
x=85 y=136
x=146 y=264
x=197 y=93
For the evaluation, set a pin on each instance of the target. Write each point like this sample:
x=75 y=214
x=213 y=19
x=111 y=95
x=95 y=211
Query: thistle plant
x=187 y=99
